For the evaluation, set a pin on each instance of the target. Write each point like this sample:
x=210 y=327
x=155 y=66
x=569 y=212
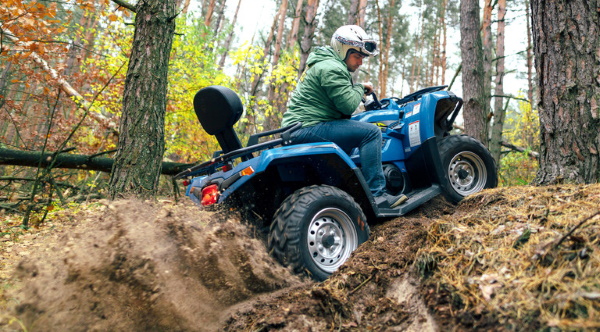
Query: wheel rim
x=331 y=239
x=467 y=173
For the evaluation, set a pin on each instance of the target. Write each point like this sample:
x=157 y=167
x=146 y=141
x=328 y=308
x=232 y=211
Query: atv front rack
x=253 y=146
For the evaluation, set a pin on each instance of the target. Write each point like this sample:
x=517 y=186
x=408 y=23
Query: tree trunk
x=529 y=58
x=488 y=52
x=385 y=56
x=220 y=15
x=185 y=7
x=381 y=45
x=209 y=12
x=141 y=142
x=356 y=12
x=257 y=78
x=227 y=45
x=567 y=61
x=435 y=56
x=499 y=110
x=295 y=25
x=474 y=113
x=310 y=13
x=443 y=60
x=273 y=119
x=530 y=86
x=4 y=76
x=352 y=12
x=362 y=12
x=281 y=26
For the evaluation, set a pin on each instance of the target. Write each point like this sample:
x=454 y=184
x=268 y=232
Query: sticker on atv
x=414 y=135
x=416 y=109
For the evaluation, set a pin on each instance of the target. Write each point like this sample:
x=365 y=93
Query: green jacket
x=325 y=91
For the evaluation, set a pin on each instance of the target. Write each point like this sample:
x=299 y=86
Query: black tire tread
x=449 y=142
x=285 y=230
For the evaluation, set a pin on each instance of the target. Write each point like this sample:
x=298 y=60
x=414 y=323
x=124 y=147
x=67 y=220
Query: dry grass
x=498 y=258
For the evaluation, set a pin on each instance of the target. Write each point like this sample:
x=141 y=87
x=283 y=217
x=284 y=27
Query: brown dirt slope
x=499 y=261
x=137 y=266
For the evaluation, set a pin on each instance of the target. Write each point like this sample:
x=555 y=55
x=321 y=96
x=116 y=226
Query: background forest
x=63 y=68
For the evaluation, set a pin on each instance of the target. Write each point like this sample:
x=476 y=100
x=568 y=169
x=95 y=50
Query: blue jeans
x=350 y=134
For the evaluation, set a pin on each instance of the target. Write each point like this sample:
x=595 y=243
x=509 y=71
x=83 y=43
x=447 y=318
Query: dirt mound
x=516 y=259
x=143 y=267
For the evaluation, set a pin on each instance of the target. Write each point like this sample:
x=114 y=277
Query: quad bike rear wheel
x=316 y=229
x=469 y=166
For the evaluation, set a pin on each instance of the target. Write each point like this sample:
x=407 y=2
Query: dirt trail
x=144 y=267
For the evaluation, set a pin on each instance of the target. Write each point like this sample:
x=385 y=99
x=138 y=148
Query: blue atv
x=312 y=198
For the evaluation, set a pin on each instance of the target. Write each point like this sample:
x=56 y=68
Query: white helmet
x=353 y=37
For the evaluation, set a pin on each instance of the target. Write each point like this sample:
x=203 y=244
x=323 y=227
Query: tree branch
x=125 y=4
x=532 y=154
x=512 y=97
x=458 y=70
x=62 y=83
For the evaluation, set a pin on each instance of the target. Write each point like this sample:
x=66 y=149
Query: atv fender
x=310 y=163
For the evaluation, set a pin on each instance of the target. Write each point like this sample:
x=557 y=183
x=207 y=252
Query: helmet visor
x=367 y=47
x=370 y=46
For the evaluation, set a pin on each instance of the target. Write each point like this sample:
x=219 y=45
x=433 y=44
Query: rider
x=326 y=97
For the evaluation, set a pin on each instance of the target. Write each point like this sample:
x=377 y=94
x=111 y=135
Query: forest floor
x=502 y=260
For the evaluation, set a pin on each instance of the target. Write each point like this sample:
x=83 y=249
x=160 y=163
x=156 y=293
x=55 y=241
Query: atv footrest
x=415 y=199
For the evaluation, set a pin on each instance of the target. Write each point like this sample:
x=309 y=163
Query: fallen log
x=72 y=161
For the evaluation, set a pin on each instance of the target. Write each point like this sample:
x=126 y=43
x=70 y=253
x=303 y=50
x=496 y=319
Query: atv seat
x=218 y=108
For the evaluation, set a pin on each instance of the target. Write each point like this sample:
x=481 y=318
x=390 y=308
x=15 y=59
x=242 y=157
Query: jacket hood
x=322 y=53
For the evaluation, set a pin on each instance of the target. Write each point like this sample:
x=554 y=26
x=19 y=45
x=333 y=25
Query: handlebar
x=374 y=104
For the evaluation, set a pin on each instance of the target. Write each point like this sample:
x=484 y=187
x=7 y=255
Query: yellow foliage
x=521 y=128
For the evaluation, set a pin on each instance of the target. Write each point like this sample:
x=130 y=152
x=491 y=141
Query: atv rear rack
x=253 y=146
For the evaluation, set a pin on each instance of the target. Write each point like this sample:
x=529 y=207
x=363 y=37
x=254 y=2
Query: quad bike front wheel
x=468 y=164
x=316 y=229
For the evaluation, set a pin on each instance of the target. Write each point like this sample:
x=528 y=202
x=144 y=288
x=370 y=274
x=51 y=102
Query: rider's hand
x=368 y=88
